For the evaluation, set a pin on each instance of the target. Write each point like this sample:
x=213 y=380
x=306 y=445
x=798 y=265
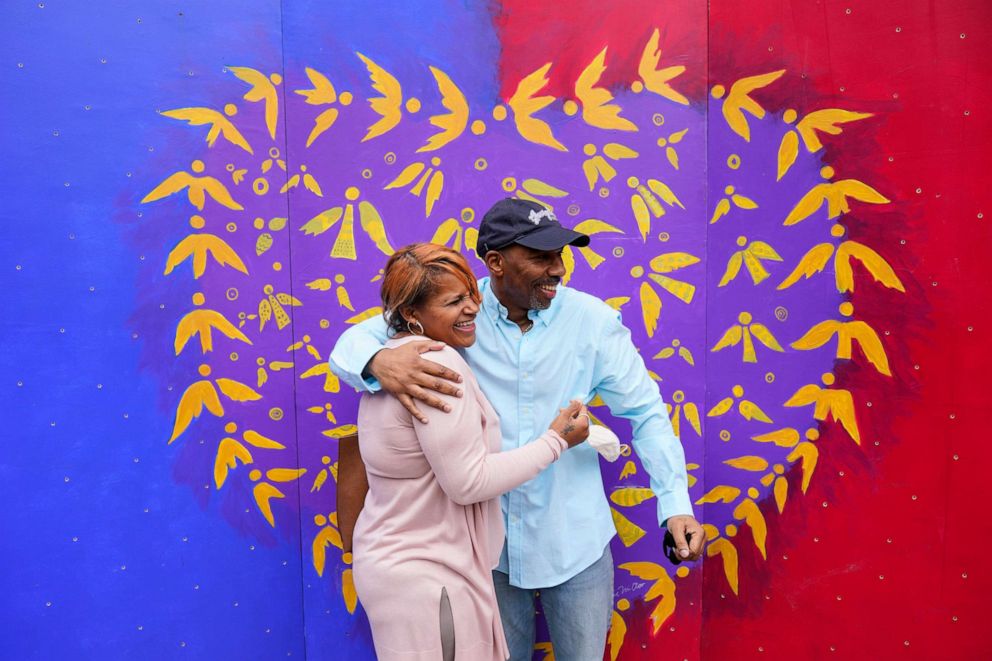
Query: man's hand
x=408 y=377
x=680 y=526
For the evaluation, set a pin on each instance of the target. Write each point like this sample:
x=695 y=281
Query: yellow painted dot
x=275 y=413
x=347 y=558
x=197 y=222
x=752 y=492
x=303 y=168
x=589 y=149
x=204 y=370
x=435 y=161
x=658 y=119
x=230 y=428
x=837 y=231
x=197 y=166
x=234 y=356
x=274 y=152
x=789 y=116
x=306 y=338
x=325 y=460
x=276 y=266
x=826 y=172
x=258 y=223
x=260 y=361
x=413 y=104
x=729 y=190
x=346 y=98
x=682 y=572
x=676 y=342
x=741 y=240
x=738 y=391
x=828 y=379
x=468 y=215
x=633 y=182
x=718 y=91
x=260 y=186
x=570 y=107
x=478 y=127
x=846 y=309
x=778 y=468
x=662 y=142
x=770 y=377
x=198 y=298
x=324 y=323
x=733 y=161
x=255 y=475
x=509 y=184
x=812 y=434
x=499 y=113
x=481 y=164
x=231 y=227
x=623 y=605
x=230 y=110
x=637 y=271
x=338 y=279
x=724 y=435
x=744 y=317
x=730 y=530
x=604 y=191
x=678 y=396
x=320 y=520
x=637 y=87
x=366 y=173
x=351 y=193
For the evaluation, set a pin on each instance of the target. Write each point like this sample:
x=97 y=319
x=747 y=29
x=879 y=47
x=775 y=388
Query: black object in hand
x=671 y=551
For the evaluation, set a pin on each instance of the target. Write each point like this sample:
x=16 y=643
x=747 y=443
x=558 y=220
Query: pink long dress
x=432 y=519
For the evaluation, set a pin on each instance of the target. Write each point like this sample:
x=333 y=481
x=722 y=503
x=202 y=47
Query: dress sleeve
x=455 y=446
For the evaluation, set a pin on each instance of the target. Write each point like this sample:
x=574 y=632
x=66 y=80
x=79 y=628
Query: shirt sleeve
x=353 y=351
x=455 y=445
x=625 y=386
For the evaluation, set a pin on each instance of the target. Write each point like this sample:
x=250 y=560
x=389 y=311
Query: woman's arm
x=456 y=448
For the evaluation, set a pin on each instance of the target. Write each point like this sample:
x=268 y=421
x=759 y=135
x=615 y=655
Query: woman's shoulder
x=450 y=358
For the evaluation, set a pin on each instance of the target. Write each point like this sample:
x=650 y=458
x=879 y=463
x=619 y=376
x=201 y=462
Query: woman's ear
x=407 y=313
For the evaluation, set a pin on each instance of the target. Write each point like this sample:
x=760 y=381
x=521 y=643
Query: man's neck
x=514 y=313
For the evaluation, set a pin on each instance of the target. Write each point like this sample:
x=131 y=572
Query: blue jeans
x=578 y=613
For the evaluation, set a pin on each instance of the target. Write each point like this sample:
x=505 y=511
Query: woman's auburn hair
x=411 y=276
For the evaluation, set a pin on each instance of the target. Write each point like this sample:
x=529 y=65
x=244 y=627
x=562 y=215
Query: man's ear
x=494 y=262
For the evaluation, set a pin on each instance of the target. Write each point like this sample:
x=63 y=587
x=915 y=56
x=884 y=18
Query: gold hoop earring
x=410 y=324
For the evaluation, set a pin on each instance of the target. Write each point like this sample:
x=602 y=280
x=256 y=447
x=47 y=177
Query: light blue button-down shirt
x=558 y=523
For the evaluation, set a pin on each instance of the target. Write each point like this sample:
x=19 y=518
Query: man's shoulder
x=591 y=308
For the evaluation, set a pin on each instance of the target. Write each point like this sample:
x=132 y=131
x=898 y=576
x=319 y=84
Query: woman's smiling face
x=448 y=315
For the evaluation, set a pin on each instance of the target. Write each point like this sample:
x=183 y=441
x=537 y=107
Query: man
x=539 y=346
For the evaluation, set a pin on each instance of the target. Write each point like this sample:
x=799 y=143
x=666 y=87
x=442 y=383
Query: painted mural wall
x=785 y=204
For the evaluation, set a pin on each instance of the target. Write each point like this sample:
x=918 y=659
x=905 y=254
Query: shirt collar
x=497 y=311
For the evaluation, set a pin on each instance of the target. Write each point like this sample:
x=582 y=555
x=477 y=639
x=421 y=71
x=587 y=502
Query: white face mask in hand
x=606 y=443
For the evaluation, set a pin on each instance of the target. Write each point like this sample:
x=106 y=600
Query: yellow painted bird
x=724 y=548
x=691 y=414
x=262 y=89
x=596 y=107
x=203 y=394
x=683 y=352
x=618 y=629
x=452 y=123
x=589 y=227
x=203 y=322
x=272 y=305
x=827 y=121
x=596 y=167
x=328 y=535
x=657 y=80
x=230 y=450
x=668 y=144
x=197 y=188
x=835 y=194
x=815 y=260
x=308 y=182
x=847 y=333
x=453 y=231
x=650 y=299
x=750 y=513
x=645 y=204
x=219 y=124
x=750 y=257
x=200 y=246
x=662 y=588
x=738 y=100
x=534 y=190
x=329 y=470
x=344 y=244
x=431 y=174
x=323 y=368
x=524 y=104
x=732 y=196
x=264 y=491
x=323 y=94
x=742 y=331
x=835 y=403
x=748 y=409
x=386 y=106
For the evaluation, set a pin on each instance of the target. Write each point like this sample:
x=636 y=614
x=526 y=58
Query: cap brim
x=553 y=237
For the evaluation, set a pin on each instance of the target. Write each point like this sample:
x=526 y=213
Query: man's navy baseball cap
x=526 y=223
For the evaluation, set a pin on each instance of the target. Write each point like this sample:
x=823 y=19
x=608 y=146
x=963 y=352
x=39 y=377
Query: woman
x=431 y=530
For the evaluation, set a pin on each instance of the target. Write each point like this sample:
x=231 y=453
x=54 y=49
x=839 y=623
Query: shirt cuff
x=674 y=504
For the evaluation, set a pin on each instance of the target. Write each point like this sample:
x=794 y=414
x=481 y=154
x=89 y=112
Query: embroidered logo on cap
x=536 y=216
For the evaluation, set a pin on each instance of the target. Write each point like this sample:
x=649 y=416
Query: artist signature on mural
x=636 y=586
